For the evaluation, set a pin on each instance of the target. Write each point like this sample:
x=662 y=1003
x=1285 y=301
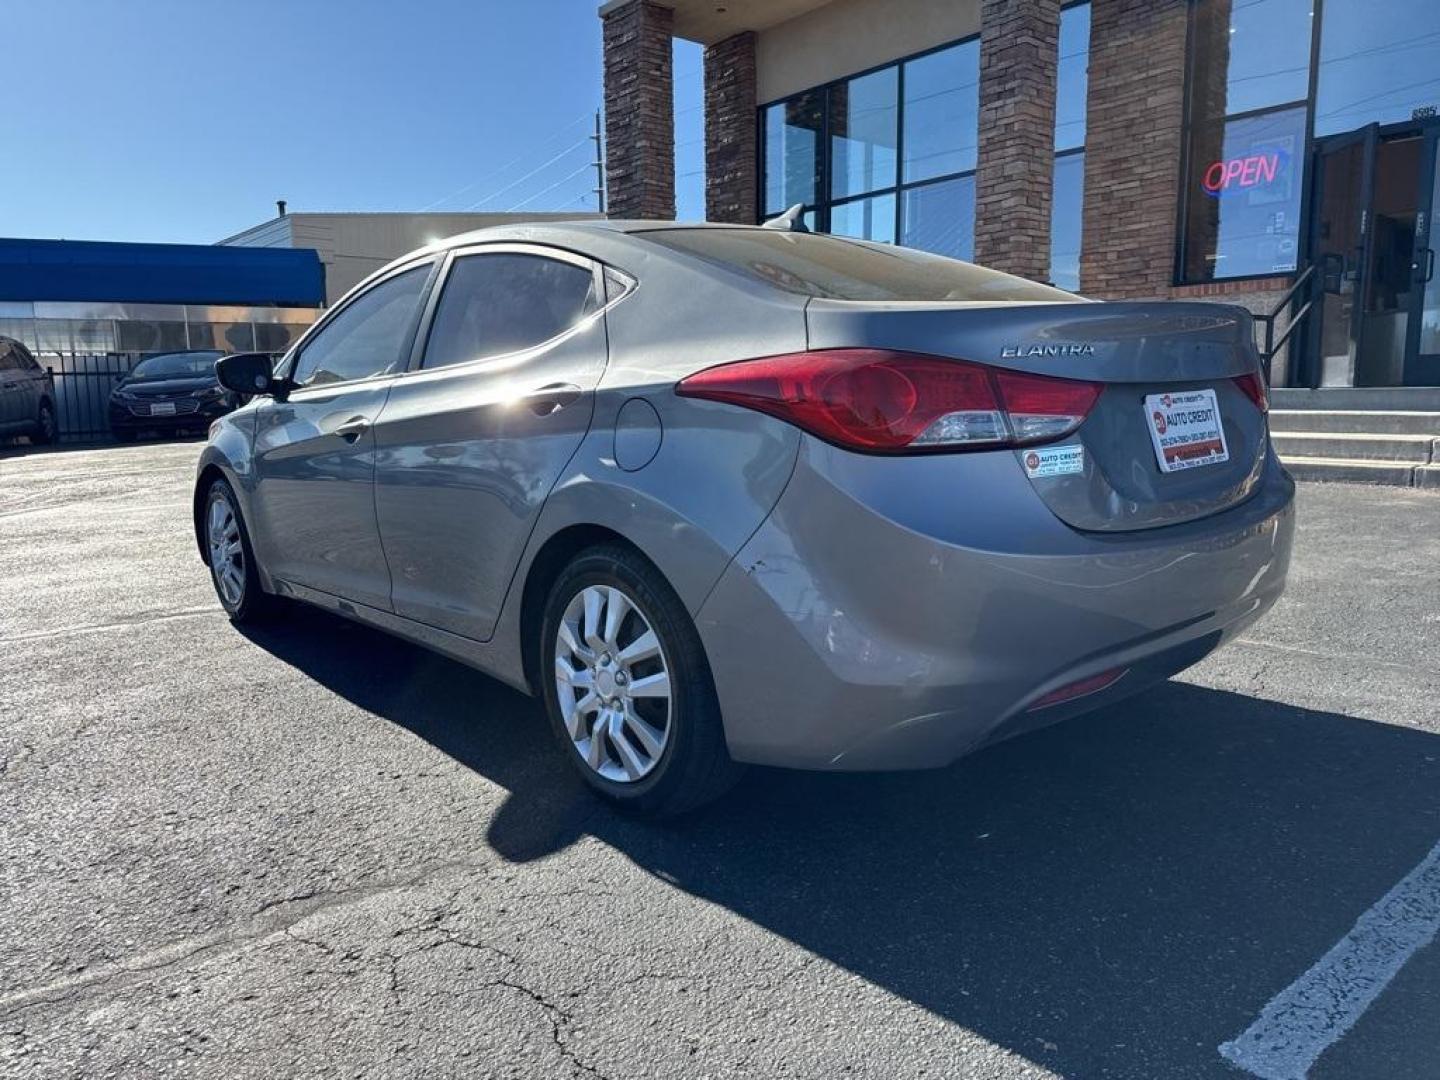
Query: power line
x=508 y=165
x=552 y=187
x=538 y=169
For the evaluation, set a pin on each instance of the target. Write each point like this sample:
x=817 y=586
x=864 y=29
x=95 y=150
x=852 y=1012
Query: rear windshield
x=840 y=269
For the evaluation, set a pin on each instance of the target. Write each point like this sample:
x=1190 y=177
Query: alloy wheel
x=613 y=684
x=227 y=554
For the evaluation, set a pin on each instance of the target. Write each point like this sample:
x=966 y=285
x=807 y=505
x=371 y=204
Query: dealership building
x=1203 y=149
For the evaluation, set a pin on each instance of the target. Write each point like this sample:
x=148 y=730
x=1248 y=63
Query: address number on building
x=1185 y=430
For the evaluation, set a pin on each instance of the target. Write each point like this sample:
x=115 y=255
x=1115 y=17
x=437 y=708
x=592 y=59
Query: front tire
x=233 y=571
x=46 y=430
x=628 y=688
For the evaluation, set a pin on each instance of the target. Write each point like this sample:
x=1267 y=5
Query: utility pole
x=599 y=165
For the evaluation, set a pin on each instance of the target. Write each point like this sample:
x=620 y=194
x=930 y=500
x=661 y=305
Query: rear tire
x=233 y=570
x=612 y=625
x=46 y=430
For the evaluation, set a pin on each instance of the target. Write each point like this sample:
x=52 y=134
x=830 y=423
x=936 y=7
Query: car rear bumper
x=898 y=613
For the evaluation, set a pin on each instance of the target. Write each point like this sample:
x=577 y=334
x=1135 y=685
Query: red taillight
x=1254 y=387
x=891 y=402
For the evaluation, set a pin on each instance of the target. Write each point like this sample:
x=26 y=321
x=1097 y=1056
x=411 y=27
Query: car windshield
x=842 y=269
x=184 y=365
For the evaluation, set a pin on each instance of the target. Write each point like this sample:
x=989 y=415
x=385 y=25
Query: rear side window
x=839 y=269
x=369 y=336
x=506 y=302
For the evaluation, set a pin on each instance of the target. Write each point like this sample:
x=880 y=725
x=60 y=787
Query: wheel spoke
x=650 y=738
x=594 y=599
x=629 y=759
x=651 y=686
x=595 y=752
x=642 y=648
x=567 y=638
x=616 y=608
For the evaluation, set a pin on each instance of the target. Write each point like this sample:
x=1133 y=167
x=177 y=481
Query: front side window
x=494 y=304
x=369 y=336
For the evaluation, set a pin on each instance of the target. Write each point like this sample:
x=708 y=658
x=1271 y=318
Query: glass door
x=1422 y=351
x=1344 y=183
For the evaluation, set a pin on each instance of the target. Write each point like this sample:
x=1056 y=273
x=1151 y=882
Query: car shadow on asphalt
x=1114 y=896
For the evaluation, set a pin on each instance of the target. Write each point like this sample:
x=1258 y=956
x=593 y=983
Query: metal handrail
x=1272 y=346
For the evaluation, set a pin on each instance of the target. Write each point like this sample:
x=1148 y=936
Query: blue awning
x=160 y=273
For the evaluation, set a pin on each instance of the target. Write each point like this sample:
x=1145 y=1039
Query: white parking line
x=1316 y=1009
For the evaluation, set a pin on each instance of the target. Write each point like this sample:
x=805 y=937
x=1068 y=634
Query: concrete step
x=1352 y=471
x=1402 y=398
x=1414 y=449
x=1428 y=476
x=1356 y=421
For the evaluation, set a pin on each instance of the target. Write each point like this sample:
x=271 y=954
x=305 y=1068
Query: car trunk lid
x=1176 y=359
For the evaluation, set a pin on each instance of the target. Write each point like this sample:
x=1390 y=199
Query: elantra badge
x=1017 y=352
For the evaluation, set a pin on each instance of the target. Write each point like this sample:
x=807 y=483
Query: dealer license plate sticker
x=1054 y=461
x=1185 y=430
x=162 y=408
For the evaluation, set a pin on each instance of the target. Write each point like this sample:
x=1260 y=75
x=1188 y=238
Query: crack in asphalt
x=119 y=624
x=136 y=970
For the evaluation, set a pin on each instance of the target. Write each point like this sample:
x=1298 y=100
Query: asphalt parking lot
x=317 y=851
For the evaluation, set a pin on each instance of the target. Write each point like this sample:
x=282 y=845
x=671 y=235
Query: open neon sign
x=1240 y=173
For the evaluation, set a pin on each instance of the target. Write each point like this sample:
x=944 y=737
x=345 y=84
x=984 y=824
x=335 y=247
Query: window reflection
x=865 y=219
x=1072 y=78
x=942 y=111
x=792 y=151
x=1066 y=214
x=1377 y=62
x=863 y=128
x=940 y=217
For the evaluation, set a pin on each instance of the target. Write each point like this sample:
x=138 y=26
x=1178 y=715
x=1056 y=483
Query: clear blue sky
x=184 y=120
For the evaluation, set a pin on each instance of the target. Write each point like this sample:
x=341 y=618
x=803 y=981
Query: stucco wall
x=851 y=35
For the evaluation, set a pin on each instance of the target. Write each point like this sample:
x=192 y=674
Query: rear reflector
x=882 y=401
x=1254 y=387
x=1080 y=688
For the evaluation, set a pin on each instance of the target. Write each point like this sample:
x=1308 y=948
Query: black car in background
x=170 y=393
x=27 y=395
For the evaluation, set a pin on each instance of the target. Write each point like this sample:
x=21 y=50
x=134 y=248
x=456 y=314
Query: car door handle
x=551 y=398
x=352 y=429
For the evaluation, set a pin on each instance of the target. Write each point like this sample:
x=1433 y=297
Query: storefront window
x=1244 y=196
x=1072 y=77
x=864 y=124
x=1377 y=63
x=838 y=150
x=792 y=151
x=940 y=217
x=1250 y=54
x=865 y=219
x=1066 y=213
x=942 y=111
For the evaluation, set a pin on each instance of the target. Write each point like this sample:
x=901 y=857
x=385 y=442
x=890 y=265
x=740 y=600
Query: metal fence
x=83 y=382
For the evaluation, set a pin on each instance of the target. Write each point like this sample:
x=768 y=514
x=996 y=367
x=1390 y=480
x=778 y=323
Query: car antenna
x=790 y=220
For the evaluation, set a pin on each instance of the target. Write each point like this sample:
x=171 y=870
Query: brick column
x=639 y=111
x=731 y=177
x=1019 y=42
x=1133 y=147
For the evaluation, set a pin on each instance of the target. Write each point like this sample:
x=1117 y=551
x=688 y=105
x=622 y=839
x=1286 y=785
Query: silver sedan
x=726 y=494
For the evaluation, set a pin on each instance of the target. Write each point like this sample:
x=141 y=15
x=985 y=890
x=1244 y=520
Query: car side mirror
x=250 y=373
